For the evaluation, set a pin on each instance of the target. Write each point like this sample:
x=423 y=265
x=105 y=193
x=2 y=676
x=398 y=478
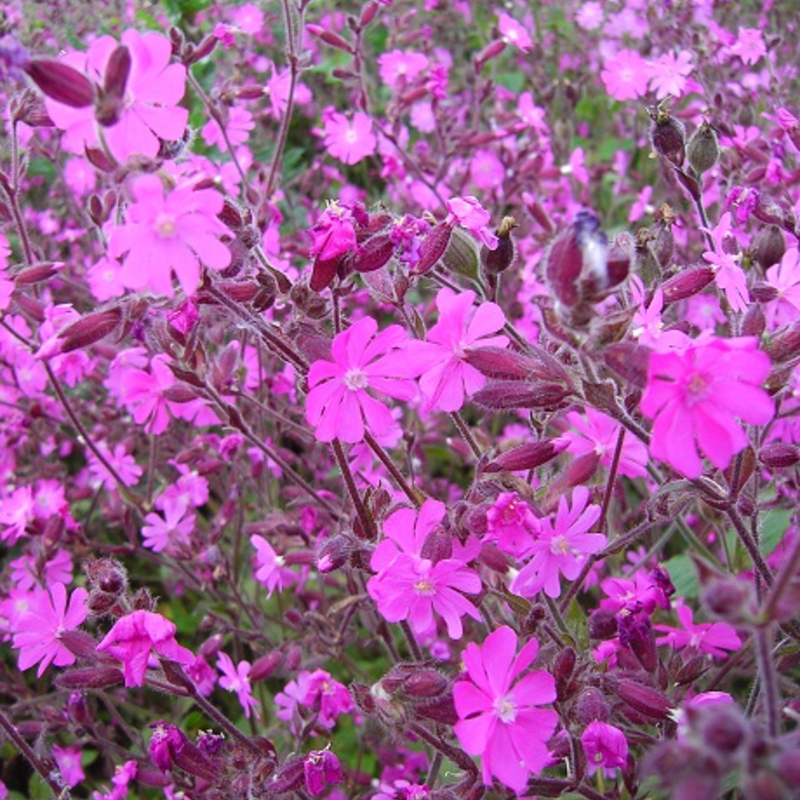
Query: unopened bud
x=432 y=248
x=266 y=666
x=779 y=455
x=506 y=395
x=89 y=678
x=687 y=283
x=603 y=624
x=647 y=701
x=527 y=456
x=373 y=254
x=730 y=599
x=768 y=246
x=424 y=683
x=492 y=50
x=494 y=262
x=330 y=38
x=61 y=83
x=591 y=706
x=461 y=256
x=703 y=149
x=334 y=554
x=667 y=135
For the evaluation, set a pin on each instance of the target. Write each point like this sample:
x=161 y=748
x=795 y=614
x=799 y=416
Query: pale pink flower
x=669 y=74
x=37 y=631
x=321 y=769
x=590 y=15
x=237 y=679
x=446 y=378
x=68 y=760
x=713 y=638
x=729 y=276
x=16 y=511
x=513 y=33
x=314 y=690
x=169 y=532
x=498 y=715
x=561 y=547
x=27 y=572
x=598 y=433
x=625 y=75
x=487 y=170
x=166 y=231
x=150 y=110
x=144 y=394
x=123 y=463
x=334 y=234
x=606 y=748
x=104 y=279
x=785 y=278
x=749 y=45
x=270 y=569
x=134 y=636
x=469 y=213
x=349 y=140
x=694 y=398
x=249 y=18
x=238 y=124
x=398 y=66
x=339 y=405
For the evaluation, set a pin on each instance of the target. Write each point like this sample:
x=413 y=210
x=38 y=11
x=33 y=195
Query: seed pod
x=768 y=246
x=667 y=135
x=703 y=149
x=493 y=262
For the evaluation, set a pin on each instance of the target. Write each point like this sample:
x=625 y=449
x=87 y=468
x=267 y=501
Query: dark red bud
x=117 y=71
x=424 y=684
x=266 y=665
x=90 y=678
x=37 y=273
x=432 y=248
x=61 y=83
x=329 y=37
x=779 y=455
x=505 y=395
x=647 y=701
x=374 y=254
x=591 y=705
x=687 y=283
x=527 y=456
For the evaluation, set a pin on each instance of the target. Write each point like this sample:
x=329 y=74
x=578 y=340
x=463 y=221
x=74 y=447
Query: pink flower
x=561 y=547
x=749 y=46
x=316 y=691
x=487 y=170
x=37 y=631
x=669 y=73
x=511 y=523
x=339 y=405
x=249 y=18
x=446 y=378
x=150 y=110
x=514 y=33
x=237 y=679
x=498 y=718
x=166 y=231
x=172 y=531
x=625 y=75
x=713 y=638
x=398 y=66
x=694 y=398
x=410 y=587
x=334 y=234
x=238 y=124
x=68 y=760
x=349 y=141
x=27 y=571
x=135 y=635
x=605 y=746
x=321 y=769
x=270 y=571
x=144 y=394
x=468 y=212
x=598 y=433
x=729 y=276
x=785 y=278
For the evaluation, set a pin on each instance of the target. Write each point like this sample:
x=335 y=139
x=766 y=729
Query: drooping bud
x=667 y=135
x=703 y=149
x=61 y=83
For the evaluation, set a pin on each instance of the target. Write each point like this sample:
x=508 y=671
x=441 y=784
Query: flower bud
x=667 y=135
x=702 y=150
x=107 y=575
x=527 y=456
x=647 y=701
x=603 y=624
x=505 y=395
x=39 y=273
x=80 y=644
x=636 y=633
x=755 y=321
x=494 y=262
x=424 y=683
x=89 y=678
x=768 y=246
x=492 y=50
x=330 y=38
x=779 y=455
x=730 y=599
x=591 y=705
x=61 y=83
x=687 y=283
x=373 y=254
x=432 y=248
x=438 y=545
x=461 y=256
x=334 y=554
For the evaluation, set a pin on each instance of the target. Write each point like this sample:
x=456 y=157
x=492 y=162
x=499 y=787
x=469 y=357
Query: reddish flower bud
x=785 y=344
x=432 y=248
x=768 y=246
x=80 y=644
x=37 y=273
x=492 y=50
x=90 y=678
x=61 y=83
x=591 y=706
x=334 y=554
x=329 y=37
x=687 y=283
x=424 y=683
x=668 y=136
x=505 y=395
x=374 y=254
x=755 y=321
x=629 y=361
x=779 y=455
x=497 y=362
x=647 y=701
x=602 y=624
x=527 y=456
x=265 y=666
x=118 y=69
x=368 y=13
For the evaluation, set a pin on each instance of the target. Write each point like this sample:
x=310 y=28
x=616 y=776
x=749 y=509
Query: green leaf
x=684 y=575
x=775 y=525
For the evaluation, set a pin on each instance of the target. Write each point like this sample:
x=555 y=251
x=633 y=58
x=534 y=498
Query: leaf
x=683 y=575
x=774 y=527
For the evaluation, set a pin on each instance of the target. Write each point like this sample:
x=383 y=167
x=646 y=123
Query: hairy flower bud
x=505 y=395
x=768 y=246
x=61 y=83
x=90 y=678
x=527 y=456
x=432 y=248
x=667 y=135
x=647 y=701
x=494 y=262
x=702 y=151
x=591 y=705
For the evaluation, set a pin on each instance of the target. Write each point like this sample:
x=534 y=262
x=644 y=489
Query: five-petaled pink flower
x=168 y=231
x=498 y=717
x=149 y=111
x=410 y=587
x=625 y=75
x=469 y=213
x=713 y=638
x=270 y=570
x=237 y=679
x=339 y=405
x=694 y=398
x=605 y=746
x=445 y=376
x=561 y=546
x=135 y=635
x=37 y=632
x=349 y=140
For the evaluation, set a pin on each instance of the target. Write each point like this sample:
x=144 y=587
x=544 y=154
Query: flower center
x=355 y=379
x=559 y=546
x=165 y=226
x=504 y=709
x=424 y=586
x=697 y=388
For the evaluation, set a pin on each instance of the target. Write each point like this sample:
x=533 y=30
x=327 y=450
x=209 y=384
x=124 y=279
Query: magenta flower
x=321 y=769
x=625 y=75
x=511 y=523
x=38 y=629
x=339 y=405
x=166 y=231
x=469 y=213
x=334 y=234
x=150 y=110
x=561 y=547
x=784 y=277
x=713 y=638
x=498 y=718
x=669 y=74
x=605 y=746
x=237 y=679
x=314 y=690
x=171 y=531
x=694 y=398
x=135 y=635
x=410 y=587
x=399 y=67
x=514 y=33
x=68 y=760
x=446 y=378
x=270 y=570
x=349 y=140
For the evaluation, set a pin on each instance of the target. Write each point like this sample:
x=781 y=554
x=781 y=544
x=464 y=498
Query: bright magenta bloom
x=605 y=746
x=38 y=630
x=695 y=397
x=150 y=110
x=561 y=547
x=349 y=140
x=237 y=679
x=499 y=720
x=445 y=376
x=134 y=636
x=713 y=638
x=408 y=586
x=338 y=403
x=166 y=231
